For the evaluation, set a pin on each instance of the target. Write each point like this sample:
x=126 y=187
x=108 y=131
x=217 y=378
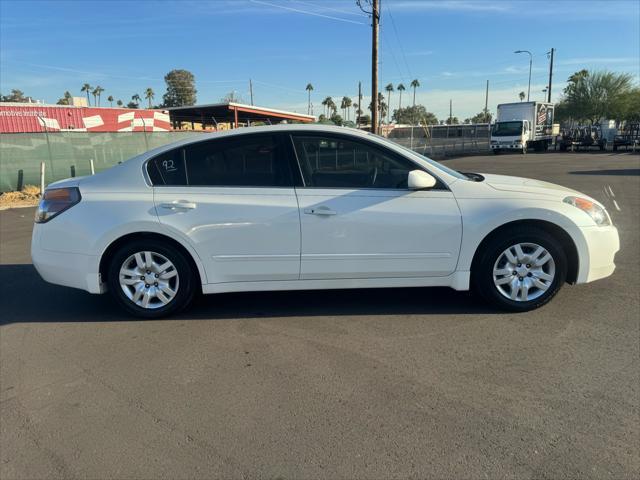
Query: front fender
x=481 y=217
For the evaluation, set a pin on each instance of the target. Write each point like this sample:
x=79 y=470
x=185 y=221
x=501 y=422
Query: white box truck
x=522 y=125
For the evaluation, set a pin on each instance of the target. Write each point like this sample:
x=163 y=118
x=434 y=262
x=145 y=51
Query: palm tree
x=414 y=84
x=96 y=94
x=356 y=110
x=332 y=107
x=389 y=89
x=110 y=100
x=400 y=88
x=119 y=103
x=149 y=94
x=522 y=95
x=309 y=89
x=382 y=107
x=136 y=99
x=326 y=103
x=345 y=105
x=87 y=88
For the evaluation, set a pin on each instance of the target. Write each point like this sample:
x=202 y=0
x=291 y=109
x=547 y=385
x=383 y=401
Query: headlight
x=595 y=211
x=56 y=201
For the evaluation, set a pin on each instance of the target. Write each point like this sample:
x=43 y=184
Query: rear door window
x=242 y=161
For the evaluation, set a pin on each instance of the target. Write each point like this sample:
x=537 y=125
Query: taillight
x=55 y=201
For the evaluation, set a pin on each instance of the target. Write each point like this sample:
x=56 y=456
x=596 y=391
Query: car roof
x=254 y=130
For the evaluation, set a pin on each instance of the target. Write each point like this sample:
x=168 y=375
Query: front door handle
x=179 y=205
x=319 y=211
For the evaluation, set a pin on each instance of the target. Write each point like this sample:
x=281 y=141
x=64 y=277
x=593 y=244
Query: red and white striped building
x=33 y=117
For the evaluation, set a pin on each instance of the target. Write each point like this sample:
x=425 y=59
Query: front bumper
x=510 y=146
x=600 y=247
x=68 y=269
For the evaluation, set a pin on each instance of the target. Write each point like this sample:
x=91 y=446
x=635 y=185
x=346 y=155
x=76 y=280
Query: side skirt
x=457 y=281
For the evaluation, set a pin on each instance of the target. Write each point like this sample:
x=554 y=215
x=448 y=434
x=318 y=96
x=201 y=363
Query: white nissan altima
x=312 y=207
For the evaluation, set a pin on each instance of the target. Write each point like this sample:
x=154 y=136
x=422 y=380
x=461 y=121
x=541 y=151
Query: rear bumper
x=601 y=245
x=68 y=269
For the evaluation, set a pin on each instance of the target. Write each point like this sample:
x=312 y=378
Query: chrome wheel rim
x=524 y=272
x=149 y=279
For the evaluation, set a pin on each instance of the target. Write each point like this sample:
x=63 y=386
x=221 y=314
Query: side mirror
x=420 y=180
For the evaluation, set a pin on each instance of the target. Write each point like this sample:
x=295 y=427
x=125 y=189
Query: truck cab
x=511 y=135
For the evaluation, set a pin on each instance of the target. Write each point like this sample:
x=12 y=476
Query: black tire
x=185 y=274
x=482 y=278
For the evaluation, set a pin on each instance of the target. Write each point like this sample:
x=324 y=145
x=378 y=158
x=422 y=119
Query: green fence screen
x=68 y=154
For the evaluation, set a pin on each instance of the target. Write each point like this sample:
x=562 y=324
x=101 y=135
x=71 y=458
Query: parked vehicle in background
x=293 y=207
x=582 y=137
x=522 y=125
x=629 y=137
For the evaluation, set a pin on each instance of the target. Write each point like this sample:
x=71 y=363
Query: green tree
x=483 y=117
x=97 y=92
x=110 y=100
x=400 y=88
x=389 y=89
x=382 y=107
x=452 y=121
x=414 y=116
x=15 y=96
x=135 y=98
x=119 y=103
x=65 y=100
x=325 y=104
x=88 y=89
x=414 y=84
x=149 y=94
x=181 y=89
x=132 y=104
x=345 y=104
x=522 y=95
x=309 y=89
x=591 y=96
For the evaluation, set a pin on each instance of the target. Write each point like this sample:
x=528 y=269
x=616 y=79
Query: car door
x=233 y=199
x=359 y=219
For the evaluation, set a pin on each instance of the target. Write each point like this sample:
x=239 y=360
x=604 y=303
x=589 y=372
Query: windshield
x=507 y=129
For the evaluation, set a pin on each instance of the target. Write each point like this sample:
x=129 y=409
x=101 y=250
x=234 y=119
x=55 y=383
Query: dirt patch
x=29 y=196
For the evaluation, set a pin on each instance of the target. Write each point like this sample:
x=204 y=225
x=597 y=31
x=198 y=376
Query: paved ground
x=351 y=384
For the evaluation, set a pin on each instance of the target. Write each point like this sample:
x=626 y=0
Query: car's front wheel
x=520 y=269
x=150 y=279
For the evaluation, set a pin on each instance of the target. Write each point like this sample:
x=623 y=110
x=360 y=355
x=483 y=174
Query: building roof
x=234 y=113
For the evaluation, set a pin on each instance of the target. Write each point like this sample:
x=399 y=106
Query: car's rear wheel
x=520 y=269
x=150 y=279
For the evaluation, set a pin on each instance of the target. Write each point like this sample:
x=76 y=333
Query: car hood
x=527 y=185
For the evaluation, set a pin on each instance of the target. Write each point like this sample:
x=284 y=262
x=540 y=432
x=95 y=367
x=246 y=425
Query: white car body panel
x=240 y=234
x=247 y=239
x=375 y=233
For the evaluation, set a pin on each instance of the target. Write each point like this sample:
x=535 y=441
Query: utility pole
x=486 y=103
x=375 y=20
x=375 y=17
x=359 y=104
x=450 y=111
x=251 y=90
x=530 y=65
x=550 y=75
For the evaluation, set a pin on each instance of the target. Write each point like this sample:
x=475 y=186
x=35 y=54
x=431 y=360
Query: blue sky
x=452 y=47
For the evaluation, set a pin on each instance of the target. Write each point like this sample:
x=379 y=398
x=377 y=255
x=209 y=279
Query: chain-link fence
x=69 y=154
x=439 y=141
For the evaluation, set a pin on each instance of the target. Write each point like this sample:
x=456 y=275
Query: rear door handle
x=179 y=205
x=322 y=210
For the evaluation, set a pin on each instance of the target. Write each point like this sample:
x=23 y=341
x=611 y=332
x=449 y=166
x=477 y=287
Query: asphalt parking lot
x=407 y=383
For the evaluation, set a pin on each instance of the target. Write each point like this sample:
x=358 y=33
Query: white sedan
x=295 y=207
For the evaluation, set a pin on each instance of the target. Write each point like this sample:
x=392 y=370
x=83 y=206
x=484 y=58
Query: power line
x=393 y=23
